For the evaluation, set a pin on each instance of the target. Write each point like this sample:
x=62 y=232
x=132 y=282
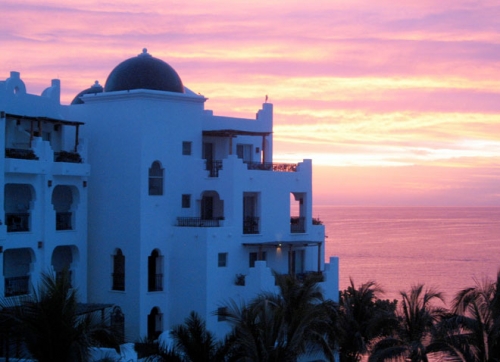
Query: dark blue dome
x=96 y=88
x=144 y=72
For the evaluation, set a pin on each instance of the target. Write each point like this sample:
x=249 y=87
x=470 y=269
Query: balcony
x=17 y=222
x=297 y=224
x=318 y=276
x=198 y=222
x=24 y=154
x=17 y=286
x=214 y=167
x=63 y=221
x=269 y=166
x=251 y=225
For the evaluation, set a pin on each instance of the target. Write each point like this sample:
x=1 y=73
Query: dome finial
x=144 y=53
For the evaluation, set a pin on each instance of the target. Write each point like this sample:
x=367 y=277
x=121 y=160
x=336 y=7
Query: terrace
x=21 y=132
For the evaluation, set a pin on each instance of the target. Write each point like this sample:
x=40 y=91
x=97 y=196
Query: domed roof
x=96 y=88
x=144 y=72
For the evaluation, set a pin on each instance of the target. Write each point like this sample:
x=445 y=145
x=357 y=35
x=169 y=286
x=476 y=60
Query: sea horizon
x=444 y=247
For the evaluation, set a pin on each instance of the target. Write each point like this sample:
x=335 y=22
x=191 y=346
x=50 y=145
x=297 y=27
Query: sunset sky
x=397 y=103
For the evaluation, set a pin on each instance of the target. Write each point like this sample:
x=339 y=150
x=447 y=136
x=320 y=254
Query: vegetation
x=282 y=326
x=46 y=325
x=297 y=321
x=362 y=318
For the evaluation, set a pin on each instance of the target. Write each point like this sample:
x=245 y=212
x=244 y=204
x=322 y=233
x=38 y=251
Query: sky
x=396 y=103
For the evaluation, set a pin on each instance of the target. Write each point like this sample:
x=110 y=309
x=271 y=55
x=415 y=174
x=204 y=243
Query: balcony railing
x=118 y=281
x=297 y=224
x=198 y=222
x=269 y=166
x=155 y=283
x=65 y=156
x=21 y=153
x=18 y=221
x=250 y=225
x=214 y=166
x=17 y=286
x=63 y=221
x=315 y=275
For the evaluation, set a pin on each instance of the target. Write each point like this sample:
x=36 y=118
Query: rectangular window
x=222 y=260
x=186 y=201
x=186 y=148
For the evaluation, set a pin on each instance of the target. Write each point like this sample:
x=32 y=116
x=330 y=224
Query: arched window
x=155 y=323
x=118 y=323
x=118 y=271
x=156 y=179
x=155 y=272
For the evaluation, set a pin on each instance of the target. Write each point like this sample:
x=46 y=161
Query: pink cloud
x=375 y=81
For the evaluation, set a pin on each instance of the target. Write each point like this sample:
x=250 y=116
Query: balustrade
x=17 y=285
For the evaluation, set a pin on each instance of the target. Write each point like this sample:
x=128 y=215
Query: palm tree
x=472 y=332
x=412 y=340
x=194 y=342
x=49 y=325
x=188 y=342
x=283 y=326
x=362 y=317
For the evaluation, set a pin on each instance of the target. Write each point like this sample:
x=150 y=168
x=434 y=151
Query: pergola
x=286 y=244
x=36 y=125
x=232 y=133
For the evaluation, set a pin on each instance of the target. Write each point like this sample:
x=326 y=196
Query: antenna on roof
x=266 y=98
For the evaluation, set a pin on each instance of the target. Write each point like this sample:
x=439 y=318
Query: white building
x=44 y=172
x=179 y=210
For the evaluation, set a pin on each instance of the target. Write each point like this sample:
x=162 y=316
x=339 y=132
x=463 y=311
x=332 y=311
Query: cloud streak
x=365 y=88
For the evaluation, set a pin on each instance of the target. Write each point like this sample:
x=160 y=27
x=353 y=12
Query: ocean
x=397 y=247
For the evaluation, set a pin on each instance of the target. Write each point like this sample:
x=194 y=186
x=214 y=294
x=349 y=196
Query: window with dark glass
x=222 y=260
x=186 y=201
x=155 y=272
x=118 y=271
x=186 y=148
x=222 y=314
x=156 y=179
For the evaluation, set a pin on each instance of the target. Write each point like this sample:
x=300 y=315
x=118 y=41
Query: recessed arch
x=212 y=207
x=65 y=258
x=17 y=267
x=18 y=202
x=65 y=199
